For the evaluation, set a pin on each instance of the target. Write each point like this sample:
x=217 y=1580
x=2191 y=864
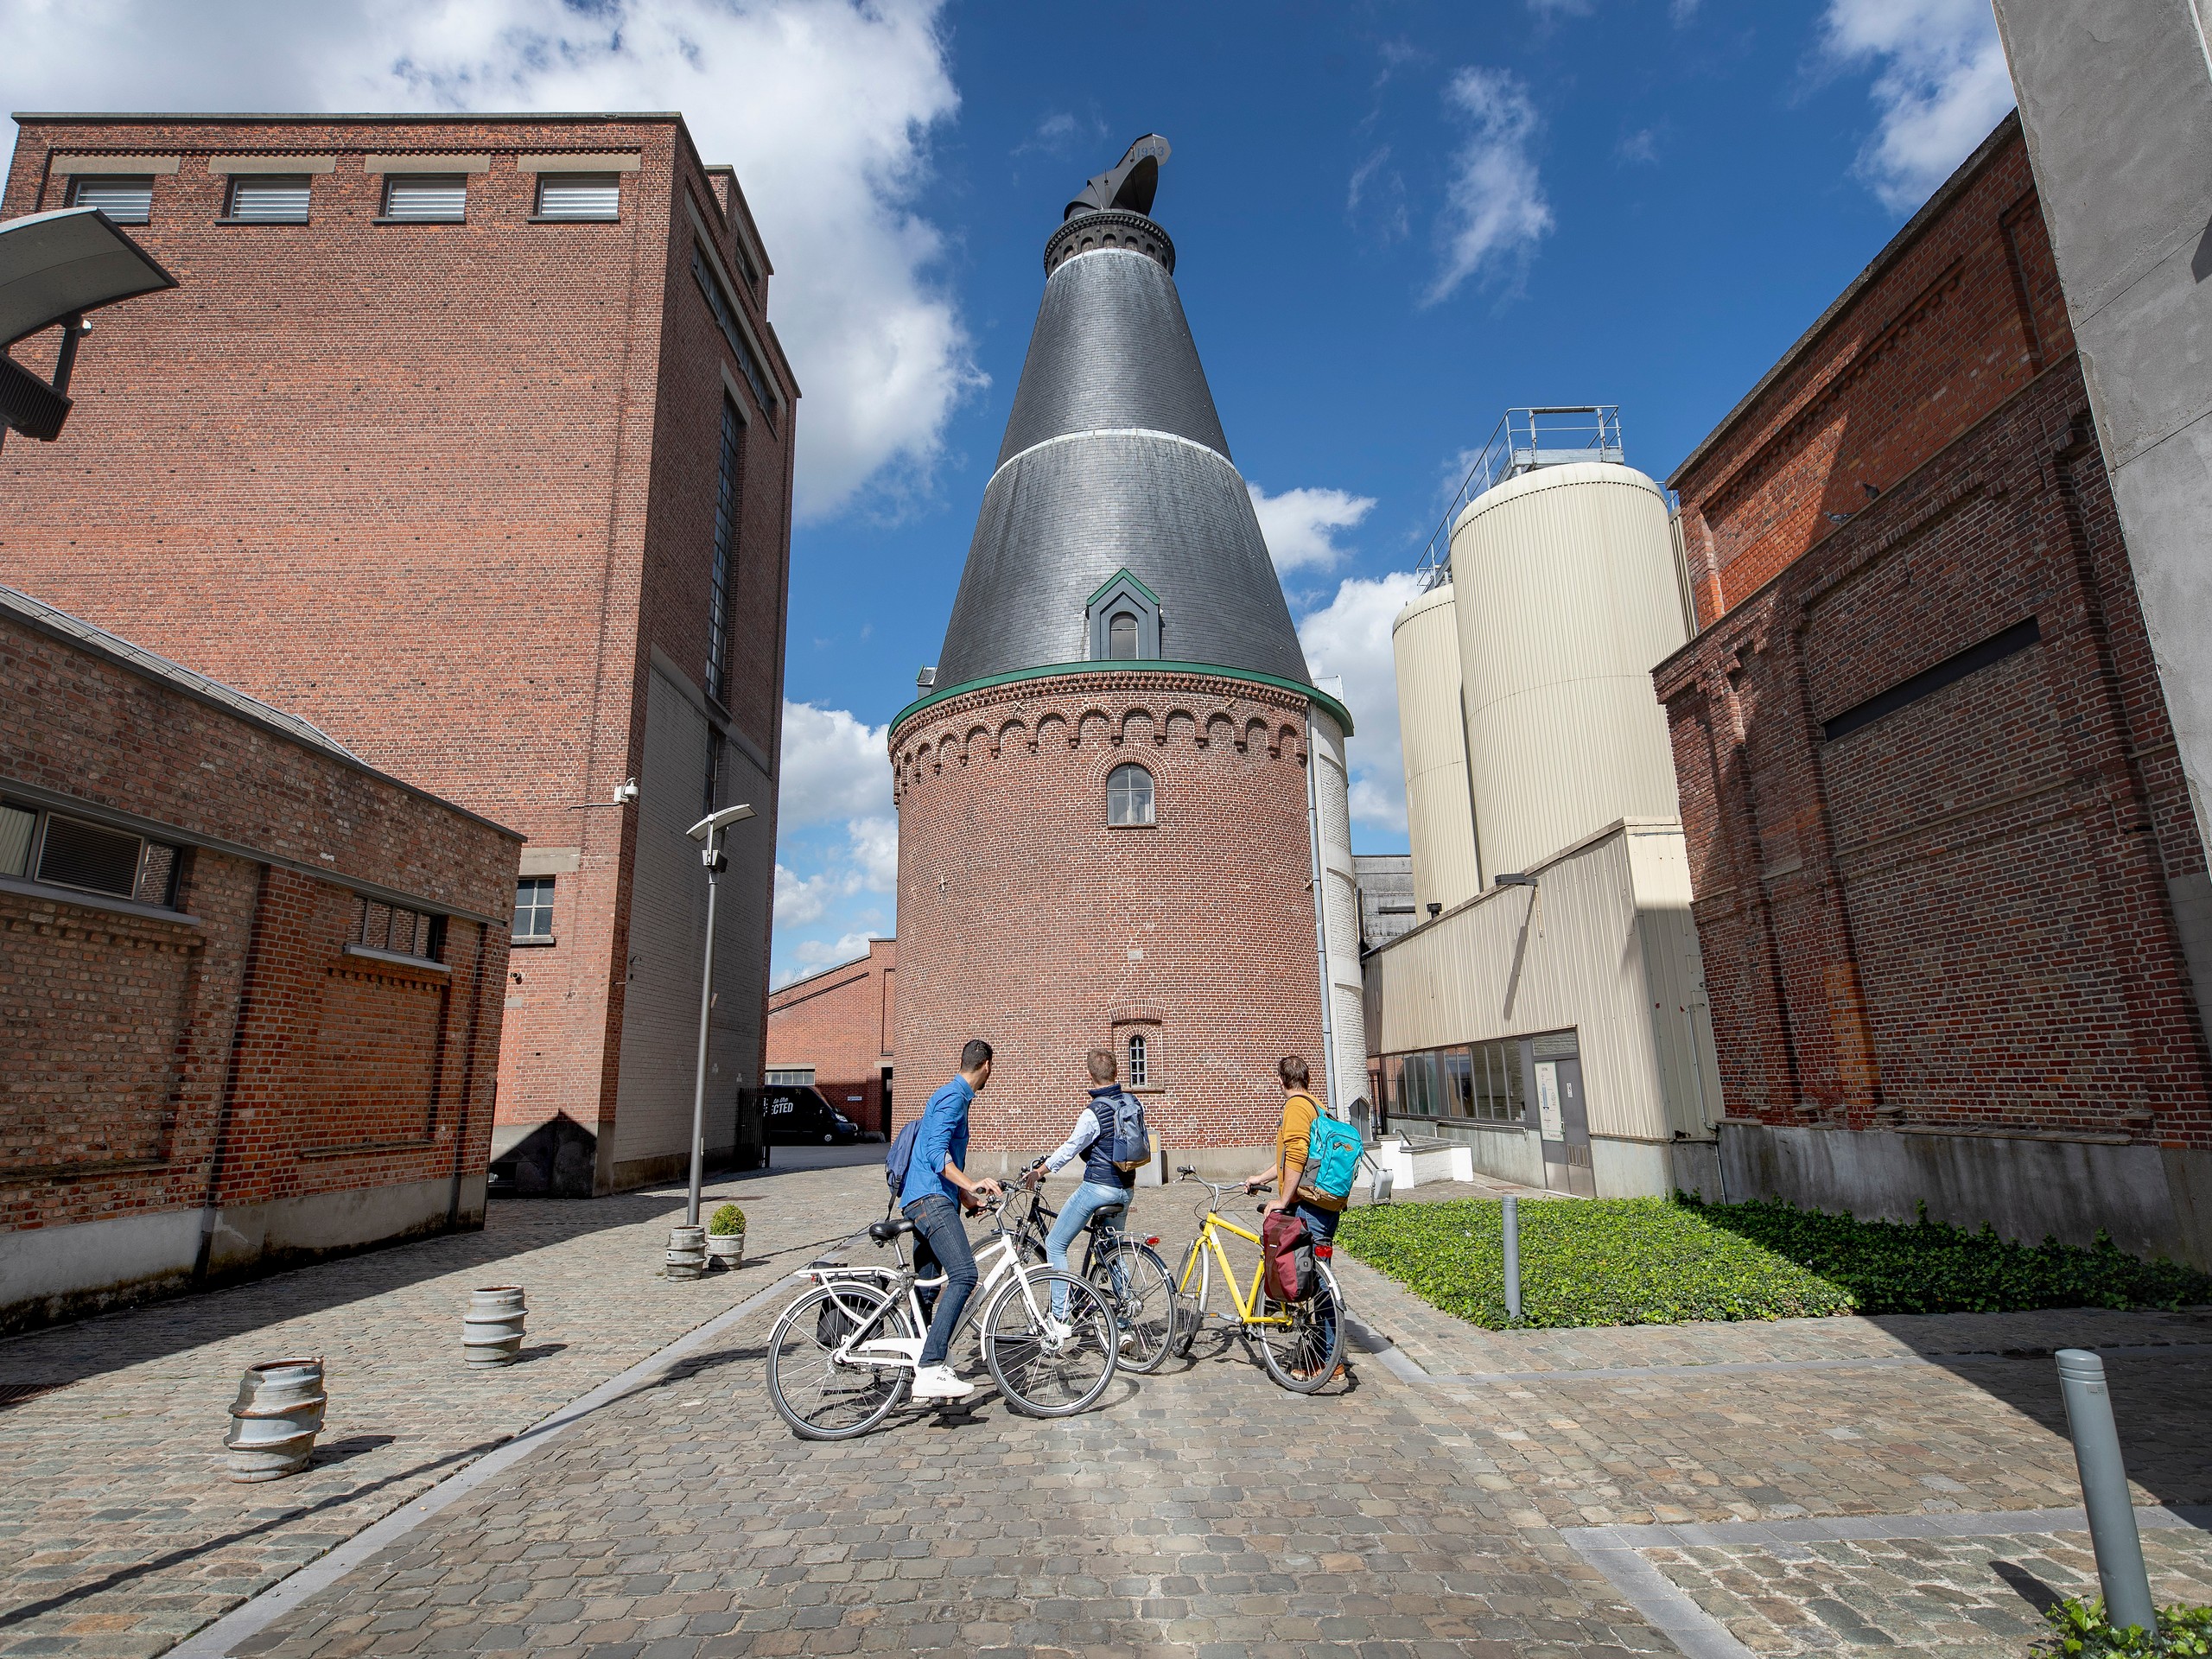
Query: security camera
x=714 y=821
x=625 y=791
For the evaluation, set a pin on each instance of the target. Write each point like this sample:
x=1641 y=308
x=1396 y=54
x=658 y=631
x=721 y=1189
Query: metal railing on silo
x=1525 y=439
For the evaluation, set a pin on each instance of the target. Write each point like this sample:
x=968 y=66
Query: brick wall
x=225 y=1059
x=843 y=1022
x=1955 y=918
x=442 y=489
x=1025 y=920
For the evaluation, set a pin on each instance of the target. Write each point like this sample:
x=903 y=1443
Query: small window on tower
x=1140 y=1058
x=1121 y=637
x=269 y=198
x=579 y=195
x=126 y=198
x=426 y=197
x=1129 y=795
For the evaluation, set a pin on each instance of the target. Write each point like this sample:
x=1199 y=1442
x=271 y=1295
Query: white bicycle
x=843 y=1356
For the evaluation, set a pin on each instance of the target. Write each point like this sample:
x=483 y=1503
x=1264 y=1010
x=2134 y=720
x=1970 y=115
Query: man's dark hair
x=1292 y=1071
x=977 y=1052
x=1101 y=1062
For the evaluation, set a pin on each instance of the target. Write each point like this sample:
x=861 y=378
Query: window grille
x=1129 y=795
x=66 y=852
x=579 y=195
x=427 y=197
x=1139 y=1061
x=726 y=489
x=126 y=198
x=533 y=908
x=379 y=926
x=725 y=319
x=269 y=198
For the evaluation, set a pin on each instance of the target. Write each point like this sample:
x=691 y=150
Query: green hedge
x=2080 y=1628
x=1663 y=1261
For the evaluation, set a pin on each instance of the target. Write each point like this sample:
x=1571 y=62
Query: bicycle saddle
x=884 y=1232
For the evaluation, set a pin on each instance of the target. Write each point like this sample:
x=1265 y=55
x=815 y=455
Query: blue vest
x=1098 y=1168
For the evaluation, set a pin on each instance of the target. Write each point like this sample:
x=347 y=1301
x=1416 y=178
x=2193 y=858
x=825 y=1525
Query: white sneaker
x=937 y=1383
x=1058 y=1332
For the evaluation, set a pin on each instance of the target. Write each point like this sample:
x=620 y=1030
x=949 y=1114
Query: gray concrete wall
x=2154 y=1201
x=2116 y=102
x=52 y=1273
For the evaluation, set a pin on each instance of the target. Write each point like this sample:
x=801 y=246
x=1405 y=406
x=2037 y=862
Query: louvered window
x=435 y=197
x=65 y=852
x=126 y=198
x=579 y=195
x=269 y=198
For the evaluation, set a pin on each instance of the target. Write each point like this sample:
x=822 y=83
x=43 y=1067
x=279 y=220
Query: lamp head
x=715 y=821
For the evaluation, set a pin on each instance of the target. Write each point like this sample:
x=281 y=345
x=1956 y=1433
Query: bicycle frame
x=860 y=1349
x=1206 y=1249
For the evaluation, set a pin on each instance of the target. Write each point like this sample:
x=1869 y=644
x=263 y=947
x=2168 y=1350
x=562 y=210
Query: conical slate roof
x=1114 y=460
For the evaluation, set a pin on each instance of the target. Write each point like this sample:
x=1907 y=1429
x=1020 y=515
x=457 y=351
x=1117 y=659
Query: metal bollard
x=2120 y=1571
x=1512 y=1258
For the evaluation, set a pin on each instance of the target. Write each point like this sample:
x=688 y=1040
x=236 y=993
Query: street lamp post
x=708 y=831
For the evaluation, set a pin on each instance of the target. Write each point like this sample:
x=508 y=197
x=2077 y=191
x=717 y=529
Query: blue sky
x=1394 y=220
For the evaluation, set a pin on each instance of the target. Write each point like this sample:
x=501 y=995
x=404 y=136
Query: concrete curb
x=250 y=1618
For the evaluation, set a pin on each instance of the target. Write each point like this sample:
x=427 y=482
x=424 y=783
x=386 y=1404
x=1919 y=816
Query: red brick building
x=252 y=984
x=1936 y=825
x=470 y=440
x=1121 y=799
x=838 y=1026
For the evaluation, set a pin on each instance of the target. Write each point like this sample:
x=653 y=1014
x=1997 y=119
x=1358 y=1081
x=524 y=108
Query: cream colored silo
x=1565 y=590
x=1440 y=812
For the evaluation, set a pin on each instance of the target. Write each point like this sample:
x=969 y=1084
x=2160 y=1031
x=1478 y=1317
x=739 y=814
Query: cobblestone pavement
x=119 y=1534
x=1964 y=1598
x=1202 y=1511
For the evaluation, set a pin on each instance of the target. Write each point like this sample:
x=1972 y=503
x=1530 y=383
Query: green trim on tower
x=1116 y=576
x=1336 y=710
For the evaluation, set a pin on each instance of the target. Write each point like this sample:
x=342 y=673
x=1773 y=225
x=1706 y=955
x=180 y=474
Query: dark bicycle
x=1127 y=1270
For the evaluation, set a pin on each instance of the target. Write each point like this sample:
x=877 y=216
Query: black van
x=798 y=1115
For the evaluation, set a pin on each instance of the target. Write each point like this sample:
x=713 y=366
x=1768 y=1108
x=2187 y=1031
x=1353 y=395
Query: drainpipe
x=1332 y=1099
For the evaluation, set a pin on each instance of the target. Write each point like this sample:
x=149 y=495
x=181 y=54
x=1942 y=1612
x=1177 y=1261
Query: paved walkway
x=1800 y=1486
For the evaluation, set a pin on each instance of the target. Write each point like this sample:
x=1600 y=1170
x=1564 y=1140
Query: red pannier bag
x=1287 y=1249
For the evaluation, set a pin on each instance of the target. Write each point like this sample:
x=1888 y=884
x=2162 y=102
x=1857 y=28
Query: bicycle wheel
x=1039 y=1376
x=1303 y=1355
x=1138 y=1288
x=820 y=1396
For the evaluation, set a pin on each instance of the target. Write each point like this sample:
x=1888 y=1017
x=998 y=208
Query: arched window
x=1121 y=637
x=1139 y=1072
x=1129 y=795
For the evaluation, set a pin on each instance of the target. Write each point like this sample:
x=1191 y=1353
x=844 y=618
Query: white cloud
x=876 y=852
x=1350 y=636
x=813 y=956
x=833 y=766
x=1300 y=526
x=1941 y=85
x=826 y=108
x=801 y=899
x=1495 y=211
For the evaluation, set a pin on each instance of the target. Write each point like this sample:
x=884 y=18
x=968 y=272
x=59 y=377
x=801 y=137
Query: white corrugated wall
x=1339 y=968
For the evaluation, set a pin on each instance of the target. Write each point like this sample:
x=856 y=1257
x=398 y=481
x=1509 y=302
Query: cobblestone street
x=1787 y=1488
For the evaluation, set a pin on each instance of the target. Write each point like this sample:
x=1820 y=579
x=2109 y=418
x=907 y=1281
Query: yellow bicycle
x=1300 y=1342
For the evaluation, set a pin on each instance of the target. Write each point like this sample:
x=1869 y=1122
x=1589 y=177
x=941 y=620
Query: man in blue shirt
x=928 y=1200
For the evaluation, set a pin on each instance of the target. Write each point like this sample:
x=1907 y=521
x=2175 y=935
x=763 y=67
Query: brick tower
x=1106 y=821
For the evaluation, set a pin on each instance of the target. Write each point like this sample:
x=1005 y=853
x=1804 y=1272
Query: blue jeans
x=941 y=1241
x=1086 y=1201
x=1322 y=1224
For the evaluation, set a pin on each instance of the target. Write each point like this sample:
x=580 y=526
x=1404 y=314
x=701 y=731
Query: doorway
x=1563 y=1113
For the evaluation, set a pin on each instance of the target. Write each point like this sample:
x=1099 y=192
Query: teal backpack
x=1331 y=1156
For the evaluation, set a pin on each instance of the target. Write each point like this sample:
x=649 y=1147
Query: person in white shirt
x=1104 y=1186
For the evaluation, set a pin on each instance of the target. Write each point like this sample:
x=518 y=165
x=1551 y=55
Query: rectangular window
x=269 y=198
x=1458 y=1084
x=126 y=198
x=579 y=195
x=726 y=499
x=379 y=926
x=66 y=852
x=1139 y=1061
x=534 y=907
x=428 y=198
x=725 y=320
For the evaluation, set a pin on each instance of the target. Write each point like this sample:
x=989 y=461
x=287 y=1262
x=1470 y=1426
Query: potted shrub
x=726 y=1237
